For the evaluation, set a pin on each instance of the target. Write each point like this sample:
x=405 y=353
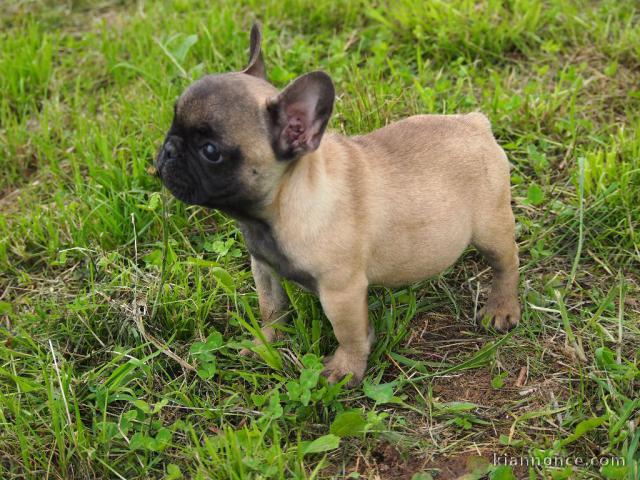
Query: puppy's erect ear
x=256 y=64
x=299 y=114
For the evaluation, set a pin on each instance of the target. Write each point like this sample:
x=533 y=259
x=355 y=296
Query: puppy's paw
x=500 y=313
x=342 y=363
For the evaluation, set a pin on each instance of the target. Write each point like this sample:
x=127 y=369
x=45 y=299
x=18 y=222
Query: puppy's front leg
x=272 y=300
x=347 y=310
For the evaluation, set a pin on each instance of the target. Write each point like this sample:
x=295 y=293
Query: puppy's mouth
x=192 y=185
x=182 y=192
x=180 y=186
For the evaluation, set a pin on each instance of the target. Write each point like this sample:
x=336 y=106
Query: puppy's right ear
x=299 y=115
x=256 y=63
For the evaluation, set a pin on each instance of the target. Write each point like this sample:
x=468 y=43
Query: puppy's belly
x=402 y=260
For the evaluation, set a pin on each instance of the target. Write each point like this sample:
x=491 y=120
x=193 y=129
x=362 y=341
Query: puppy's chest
x=263 y=245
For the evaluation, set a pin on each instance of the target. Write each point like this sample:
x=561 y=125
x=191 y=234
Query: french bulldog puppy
x=336 y=214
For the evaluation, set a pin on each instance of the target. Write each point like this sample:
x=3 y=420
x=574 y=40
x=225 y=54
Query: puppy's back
x=456 y=151
x=429 y=180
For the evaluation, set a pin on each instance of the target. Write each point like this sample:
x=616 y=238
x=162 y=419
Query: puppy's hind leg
x=495 y=239
x=272 y=300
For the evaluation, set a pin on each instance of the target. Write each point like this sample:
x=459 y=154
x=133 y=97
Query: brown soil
x=475 y=386
x=386 y=462
x=456 y=467
x=450 y=468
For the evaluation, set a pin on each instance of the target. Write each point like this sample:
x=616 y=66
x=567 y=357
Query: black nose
x=169 y=150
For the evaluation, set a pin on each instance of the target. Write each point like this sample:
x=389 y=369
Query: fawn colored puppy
x=336 y=214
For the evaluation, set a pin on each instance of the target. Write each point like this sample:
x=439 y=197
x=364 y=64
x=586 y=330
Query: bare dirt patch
x=442 y=337
x=533 y=375
x=467 y=463
x=475 y=386
x=385 y=461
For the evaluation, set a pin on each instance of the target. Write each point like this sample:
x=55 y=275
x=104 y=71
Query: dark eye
x=210 y=152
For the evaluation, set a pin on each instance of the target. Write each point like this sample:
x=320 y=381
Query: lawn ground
x=122 y=310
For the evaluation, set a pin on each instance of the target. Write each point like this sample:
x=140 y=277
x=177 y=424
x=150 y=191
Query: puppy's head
x=234 y=134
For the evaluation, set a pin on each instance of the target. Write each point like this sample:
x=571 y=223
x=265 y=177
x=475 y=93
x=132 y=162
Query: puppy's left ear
x=256 y=63
x=300 y=113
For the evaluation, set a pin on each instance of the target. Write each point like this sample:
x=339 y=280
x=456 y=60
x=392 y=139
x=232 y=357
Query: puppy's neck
x=311 y=182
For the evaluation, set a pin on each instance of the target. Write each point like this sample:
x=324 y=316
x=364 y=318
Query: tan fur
x=394 y=207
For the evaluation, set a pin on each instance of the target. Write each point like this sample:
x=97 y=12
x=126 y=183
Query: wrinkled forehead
x=226 y=101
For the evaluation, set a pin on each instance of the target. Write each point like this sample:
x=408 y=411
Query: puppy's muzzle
x=168 y=153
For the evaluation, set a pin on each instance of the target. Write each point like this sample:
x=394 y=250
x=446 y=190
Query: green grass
x=112 y=293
